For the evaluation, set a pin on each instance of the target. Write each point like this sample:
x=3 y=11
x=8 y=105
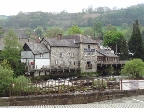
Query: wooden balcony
x=110 y=62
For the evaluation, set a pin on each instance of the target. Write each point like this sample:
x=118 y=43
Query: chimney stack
x=59 y=37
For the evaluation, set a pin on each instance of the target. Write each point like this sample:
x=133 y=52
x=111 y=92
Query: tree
x=124 y=26
x=53 y=32
x=74 y=30
x=133 y=69
x=124 y=53
x=110 y=27
x=88 y=32
x=6 y=77
x=97 y=27
x=1 y=30
x=12 y=51
x=39 y=31
x=28 y=31
x=113 y=39
x=135 y=42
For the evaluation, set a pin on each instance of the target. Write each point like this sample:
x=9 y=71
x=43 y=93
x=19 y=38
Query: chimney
x=59 y=37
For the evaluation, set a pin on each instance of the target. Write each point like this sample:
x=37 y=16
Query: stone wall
x=88 y=56
x=64 y=56
x=64 y=99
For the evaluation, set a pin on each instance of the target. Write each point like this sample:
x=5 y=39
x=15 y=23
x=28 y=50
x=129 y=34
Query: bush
x=133 y=69
x=6 y=77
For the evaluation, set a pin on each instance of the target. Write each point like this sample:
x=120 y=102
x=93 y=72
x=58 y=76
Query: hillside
x=82 y=19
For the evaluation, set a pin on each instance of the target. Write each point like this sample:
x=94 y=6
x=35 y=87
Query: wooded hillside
x=82 y=19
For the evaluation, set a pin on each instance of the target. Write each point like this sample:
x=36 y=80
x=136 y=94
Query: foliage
x=124 y=26
x=5 y=64
x=113 y=38
x=133 y=68
x=74 y=30
x=110 y=27
x=136 y=43
x=109 y=70
x=11 y=51
x=97 y=27
x=29 y=31
x=124 y=52
x=85 y=18
x=21 y=83
x=21 y=79
x=1 y=30
x=39 y=31
x=6 y=77
x=88 y=74
x=53 y=32
x=88 y=32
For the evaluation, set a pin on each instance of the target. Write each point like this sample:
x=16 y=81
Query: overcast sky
x=12 y=7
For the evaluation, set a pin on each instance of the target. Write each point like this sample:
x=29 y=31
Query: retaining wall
x=65 y=99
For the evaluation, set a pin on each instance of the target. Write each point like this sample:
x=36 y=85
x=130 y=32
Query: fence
x=54 y=87
x=62 y=86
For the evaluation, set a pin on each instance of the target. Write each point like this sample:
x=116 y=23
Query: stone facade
x=64 y=56
x=72 y=53
x=88 y=57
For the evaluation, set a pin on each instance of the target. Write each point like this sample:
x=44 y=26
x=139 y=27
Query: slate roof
x=105 y=53
x=70 y=41
x=63 y=42
x=37 y=48
x=80 y=39
x=20 y=33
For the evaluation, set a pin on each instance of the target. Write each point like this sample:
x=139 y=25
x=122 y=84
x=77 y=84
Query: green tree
x=133 y=69
x=113 y=39
x=135 y=42
x=97 y=27
x=88 y=32
x=74 y=30
x=28 y=31
x=39 y=31
x=1 y=30
x=110 y=27
x=124 y=53
x=53 y=32
x=12 y=50
x=6 y=77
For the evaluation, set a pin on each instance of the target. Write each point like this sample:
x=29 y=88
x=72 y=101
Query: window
x=88 y=65
x=72 y=55
x=61 y=55
x=88 y=47
x=69 y=62
x=88 y=53
x=41 y=55
x=56 y=61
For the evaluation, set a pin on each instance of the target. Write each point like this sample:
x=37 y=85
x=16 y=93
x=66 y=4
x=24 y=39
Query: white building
x=35 y=55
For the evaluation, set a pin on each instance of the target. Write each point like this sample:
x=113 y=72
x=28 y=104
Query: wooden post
x=10 y=90
x=121 y=83
x=48 y=86
x=50 y=68
x=36 y=87
x=102 y=84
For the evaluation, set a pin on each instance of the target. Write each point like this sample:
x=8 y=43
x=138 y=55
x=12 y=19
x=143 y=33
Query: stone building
x=72 y=51
x=22 y=37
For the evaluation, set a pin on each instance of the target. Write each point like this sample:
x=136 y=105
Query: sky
x=13 y=7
